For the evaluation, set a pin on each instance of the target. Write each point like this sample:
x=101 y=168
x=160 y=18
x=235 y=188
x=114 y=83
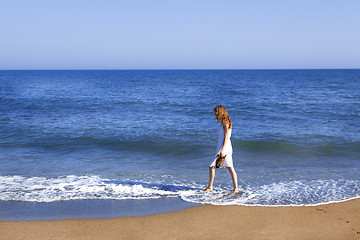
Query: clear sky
x=172 y=34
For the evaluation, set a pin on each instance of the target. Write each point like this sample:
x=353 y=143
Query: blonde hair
x=222 y=115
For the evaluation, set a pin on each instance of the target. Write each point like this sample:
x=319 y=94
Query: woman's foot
x=236 y=191
x=208 y=189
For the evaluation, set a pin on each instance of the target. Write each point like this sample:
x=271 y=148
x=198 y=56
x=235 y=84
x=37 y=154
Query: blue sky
x=172 y=34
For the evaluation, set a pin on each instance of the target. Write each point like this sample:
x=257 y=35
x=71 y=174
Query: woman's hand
x=222 y=154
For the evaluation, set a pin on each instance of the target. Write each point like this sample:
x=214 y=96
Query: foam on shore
x=290 y=193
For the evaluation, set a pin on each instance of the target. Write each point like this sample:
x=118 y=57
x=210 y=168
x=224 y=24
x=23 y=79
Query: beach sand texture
x=330 y=221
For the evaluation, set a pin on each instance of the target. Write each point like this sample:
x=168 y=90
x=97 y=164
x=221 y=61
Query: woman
x=224 y=148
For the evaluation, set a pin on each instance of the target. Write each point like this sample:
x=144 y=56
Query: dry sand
x=331 y=221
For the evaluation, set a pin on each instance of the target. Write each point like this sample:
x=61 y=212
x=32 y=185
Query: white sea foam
x=293 y=193
x=43 y=189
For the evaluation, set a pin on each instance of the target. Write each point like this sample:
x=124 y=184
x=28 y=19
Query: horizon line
x=170 y=69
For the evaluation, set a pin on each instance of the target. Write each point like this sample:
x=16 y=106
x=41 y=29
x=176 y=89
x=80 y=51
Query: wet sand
x=330 y=221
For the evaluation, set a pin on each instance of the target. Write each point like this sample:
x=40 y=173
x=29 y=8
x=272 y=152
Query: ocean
x=151 y=134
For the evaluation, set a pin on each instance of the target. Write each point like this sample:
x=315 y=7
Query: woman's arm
x=226 y=137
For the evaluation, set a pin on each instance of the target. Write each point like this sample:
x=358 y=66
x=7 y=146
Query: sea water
x=70 y=135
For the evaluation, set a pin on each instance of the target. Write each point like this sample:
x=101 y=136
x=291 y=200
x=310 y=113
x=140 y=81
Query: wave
x=286 y=148
x=179 y=144
x=50 y=189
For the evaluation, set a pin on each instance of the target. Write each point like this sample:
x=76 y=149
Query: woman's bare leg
x=211 y=179
x=234 y=179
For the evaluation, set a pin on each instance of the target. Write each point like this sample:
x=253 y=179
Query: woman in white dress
x=224 y=148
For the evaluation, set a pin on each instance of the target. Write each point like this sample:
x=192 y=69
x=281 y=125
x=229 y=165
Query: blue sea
x=148 y=134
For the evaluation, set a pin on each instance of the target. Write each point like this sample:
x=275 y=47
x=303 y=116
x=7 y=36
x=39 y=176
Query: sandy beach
x=330 y=221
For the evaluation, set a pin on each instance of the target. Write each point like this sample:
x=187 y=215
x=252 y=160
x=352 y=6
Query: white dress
x=227 y=151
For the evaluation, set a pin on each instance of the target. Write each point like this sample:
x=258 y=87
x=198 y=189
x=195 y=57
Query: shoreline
x=328 y=221
x=89 y=208
x=112 y=208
